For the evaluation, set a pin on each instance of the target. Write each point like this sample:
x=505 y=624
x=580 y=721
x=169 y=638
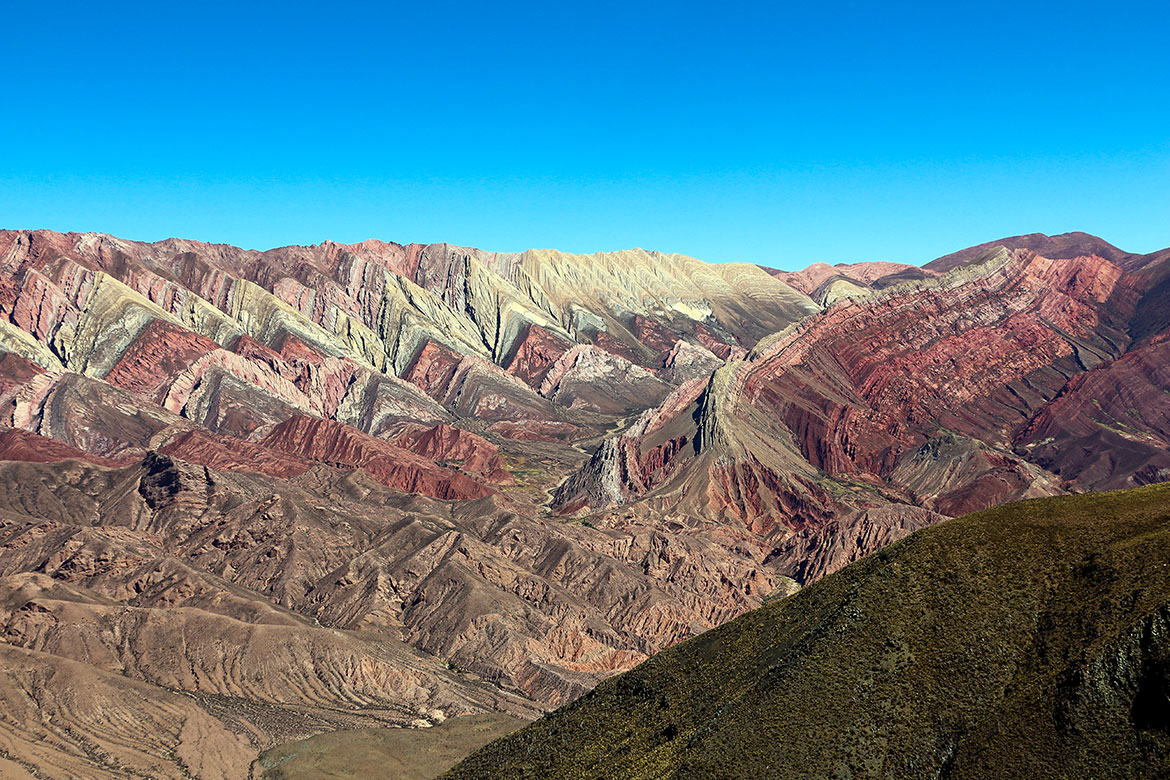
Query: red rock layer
x=807 y=280
x=861 y=383
x=160 y=353
x=16 y=444
x=713 y=342
x=535 y=354
x=446 y=443
x=226 y=453
x=615 y=346
x=252 y=349
x=433 y=369
x=653 y=335
x=847 y=393
x=16 y=372
x=335 y=443
x=764 y=500
x=1110 y=427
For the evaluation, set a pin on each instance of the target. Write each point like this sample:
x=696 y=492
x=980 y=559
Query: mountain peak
x=1058 y=247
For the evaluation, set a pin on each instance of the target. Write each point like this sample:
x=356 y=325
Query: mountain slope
x=1027 y=641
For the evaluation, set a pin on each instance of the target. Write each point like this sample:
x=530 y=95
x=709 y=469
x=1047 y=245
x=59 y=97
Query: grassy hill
x=390 y=754
x=1027 y=641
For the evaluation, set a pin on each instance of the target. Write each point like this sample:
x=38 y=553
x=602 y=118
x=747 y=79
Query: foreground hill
x=1027 y=641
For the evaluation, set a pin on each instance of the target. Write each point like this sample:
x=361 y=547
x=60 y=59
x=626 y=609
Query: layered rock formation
x=1110 y=427
x=938 y=396
x=506 y=476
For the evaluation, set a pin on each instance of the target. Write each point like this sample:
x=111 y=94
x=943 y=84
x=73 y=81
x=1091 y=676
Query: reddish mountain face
x=447 y=443
x=939 y=396
x=16 y=444
x=1110 y=427
x=486 y=481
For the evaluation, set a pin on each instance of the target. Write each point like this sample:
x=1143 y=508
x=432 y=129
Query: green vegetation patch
x=387 y=754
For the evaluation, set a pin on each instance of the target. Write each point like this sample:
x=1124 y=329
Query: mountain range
x=249 y=497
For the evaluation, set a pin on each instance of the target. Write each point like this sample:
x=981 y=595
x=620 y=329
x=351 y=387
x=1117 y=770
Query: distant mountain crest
x=1059 y=247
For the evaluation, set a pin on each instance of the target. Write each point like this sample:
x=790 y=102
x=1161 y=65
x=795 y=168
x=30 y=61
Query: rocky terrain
x=267 y=495
x=1026 y=641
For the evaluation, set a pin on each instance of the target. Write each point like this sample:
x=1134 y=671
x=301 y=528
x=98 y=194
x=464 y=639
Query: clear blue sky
x=769 y=132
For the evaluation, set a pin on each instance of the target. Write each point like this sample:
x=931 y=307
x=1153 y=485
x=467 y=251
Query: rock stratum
x=249 y=497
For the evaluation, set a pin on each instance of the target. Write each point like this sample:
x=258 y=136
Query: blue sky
x=775 y=133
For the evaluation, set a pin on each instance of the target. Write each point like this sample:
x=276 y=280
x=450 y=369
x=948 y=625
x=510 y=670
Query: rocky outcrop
x=16 y=444
x=380 y=404
x=90 y=415
x=536 y=353
x=473 y=387
x=226 y=453
x=817 y=551
x=617 y=472
x=956 y=475
x=686 y=361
